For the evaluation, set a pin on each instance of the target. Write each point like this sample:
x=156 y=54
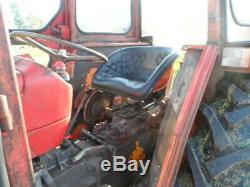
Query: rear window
x=240 y=9
x=99 y=16
x=238 y=20
x=31 y=14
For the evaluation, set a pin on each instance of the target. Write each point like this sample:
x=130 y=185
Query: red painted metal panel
x=16 y=149
x=164 y=80
x=47 y=138
x=186 y=117
x=47 y=101
x=45 y=95
x=216 y=32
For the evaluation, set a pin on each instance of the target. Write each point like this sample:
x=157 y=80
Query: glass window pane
x=173 y=25
x=235 y=32
x=99 y=16
x=31 y=14
x=241 y=11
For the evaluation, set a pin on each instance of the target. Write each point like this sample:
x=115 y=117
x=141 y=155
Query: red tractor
x=104 y=93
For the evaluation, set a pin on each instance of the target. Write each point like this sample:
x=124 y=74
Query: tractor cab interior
x=128 y=88
x=90 y=87
x=99 y=94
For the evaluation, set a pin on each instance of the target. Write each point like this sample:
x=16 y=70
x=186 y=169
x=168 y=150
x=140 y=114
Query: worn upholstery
x=134 y=71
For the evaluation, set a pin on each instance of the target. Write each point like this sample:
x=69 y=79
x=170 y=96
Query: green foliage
x=17 y=16
x=22 y=20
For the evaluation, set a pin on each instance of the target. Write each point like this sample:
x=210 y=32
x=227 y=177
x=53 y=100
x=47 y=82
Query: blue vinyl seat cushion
x=134 y=71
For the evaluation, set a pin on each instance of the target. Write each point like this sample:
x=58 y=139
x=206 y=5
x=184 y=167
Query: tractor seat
x=134 y=71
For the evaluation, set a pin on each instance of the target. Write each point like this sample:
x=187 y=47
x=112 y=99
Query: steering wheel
x=29 y=38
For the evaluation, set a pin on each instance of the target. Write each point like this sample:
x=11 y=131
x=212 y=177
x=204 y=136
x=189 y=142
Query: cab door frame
x=133 y=35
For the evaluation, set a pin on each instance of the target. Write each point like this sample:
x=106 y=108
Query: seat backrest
x=135 y=71
x=138 y=63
